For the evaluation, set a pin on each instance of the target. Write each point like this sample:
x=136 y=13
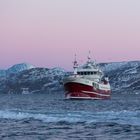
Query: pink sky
x=49 y=32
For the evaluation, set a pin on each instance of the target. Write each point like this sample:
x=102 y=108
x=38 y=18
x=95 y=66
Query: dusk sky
x=47 y=33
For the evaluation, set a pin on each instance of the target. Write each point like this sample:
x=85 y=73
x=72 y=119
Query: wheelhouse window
x=91 y=73
x=88 y=73
x=80 y=73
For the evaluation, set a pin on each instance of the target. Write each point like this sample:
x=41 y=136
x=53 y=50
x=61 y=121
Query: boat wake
x=121 y=117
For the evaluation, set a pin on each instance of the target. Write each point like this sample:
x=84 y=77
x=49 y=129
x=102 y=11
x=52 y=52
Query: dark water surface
x=50 y=116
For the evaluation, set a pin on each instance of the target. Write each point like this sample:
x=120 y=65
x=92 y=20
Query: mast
x=75 y=65
x=89 y=58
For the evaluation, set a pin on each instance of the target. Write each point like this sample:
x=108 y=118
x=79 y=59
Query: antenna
x=75 y=65
x=89 y=58
x=75 y=58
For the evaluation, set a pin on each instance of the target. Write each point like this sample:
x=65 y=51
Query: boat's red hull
x=81 y=91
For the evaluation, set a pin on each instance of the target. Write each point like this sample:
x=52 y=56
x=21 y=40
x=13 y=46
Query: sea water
x=45 y=116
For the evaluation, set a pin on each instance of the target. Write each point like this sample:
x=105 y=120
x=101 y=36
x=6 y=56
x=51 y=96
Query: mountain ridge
x=15 y=69
x=124 y=78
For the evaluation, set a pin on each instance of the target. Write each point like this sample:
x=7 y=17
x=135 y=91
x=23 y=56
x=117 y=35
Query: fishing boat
x=87 y=82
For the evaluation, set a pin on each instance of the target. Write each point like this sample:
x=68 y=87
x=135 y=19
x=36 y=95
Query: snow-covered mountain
x=124 y=78
x=2 y=73
x=118 y=65
x=33 y=79
x=20 y=67
x=16 y=69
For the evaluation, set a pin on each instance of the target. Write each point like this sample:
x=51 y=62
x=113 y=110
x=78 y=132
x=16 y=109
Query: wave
x=120 y=117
